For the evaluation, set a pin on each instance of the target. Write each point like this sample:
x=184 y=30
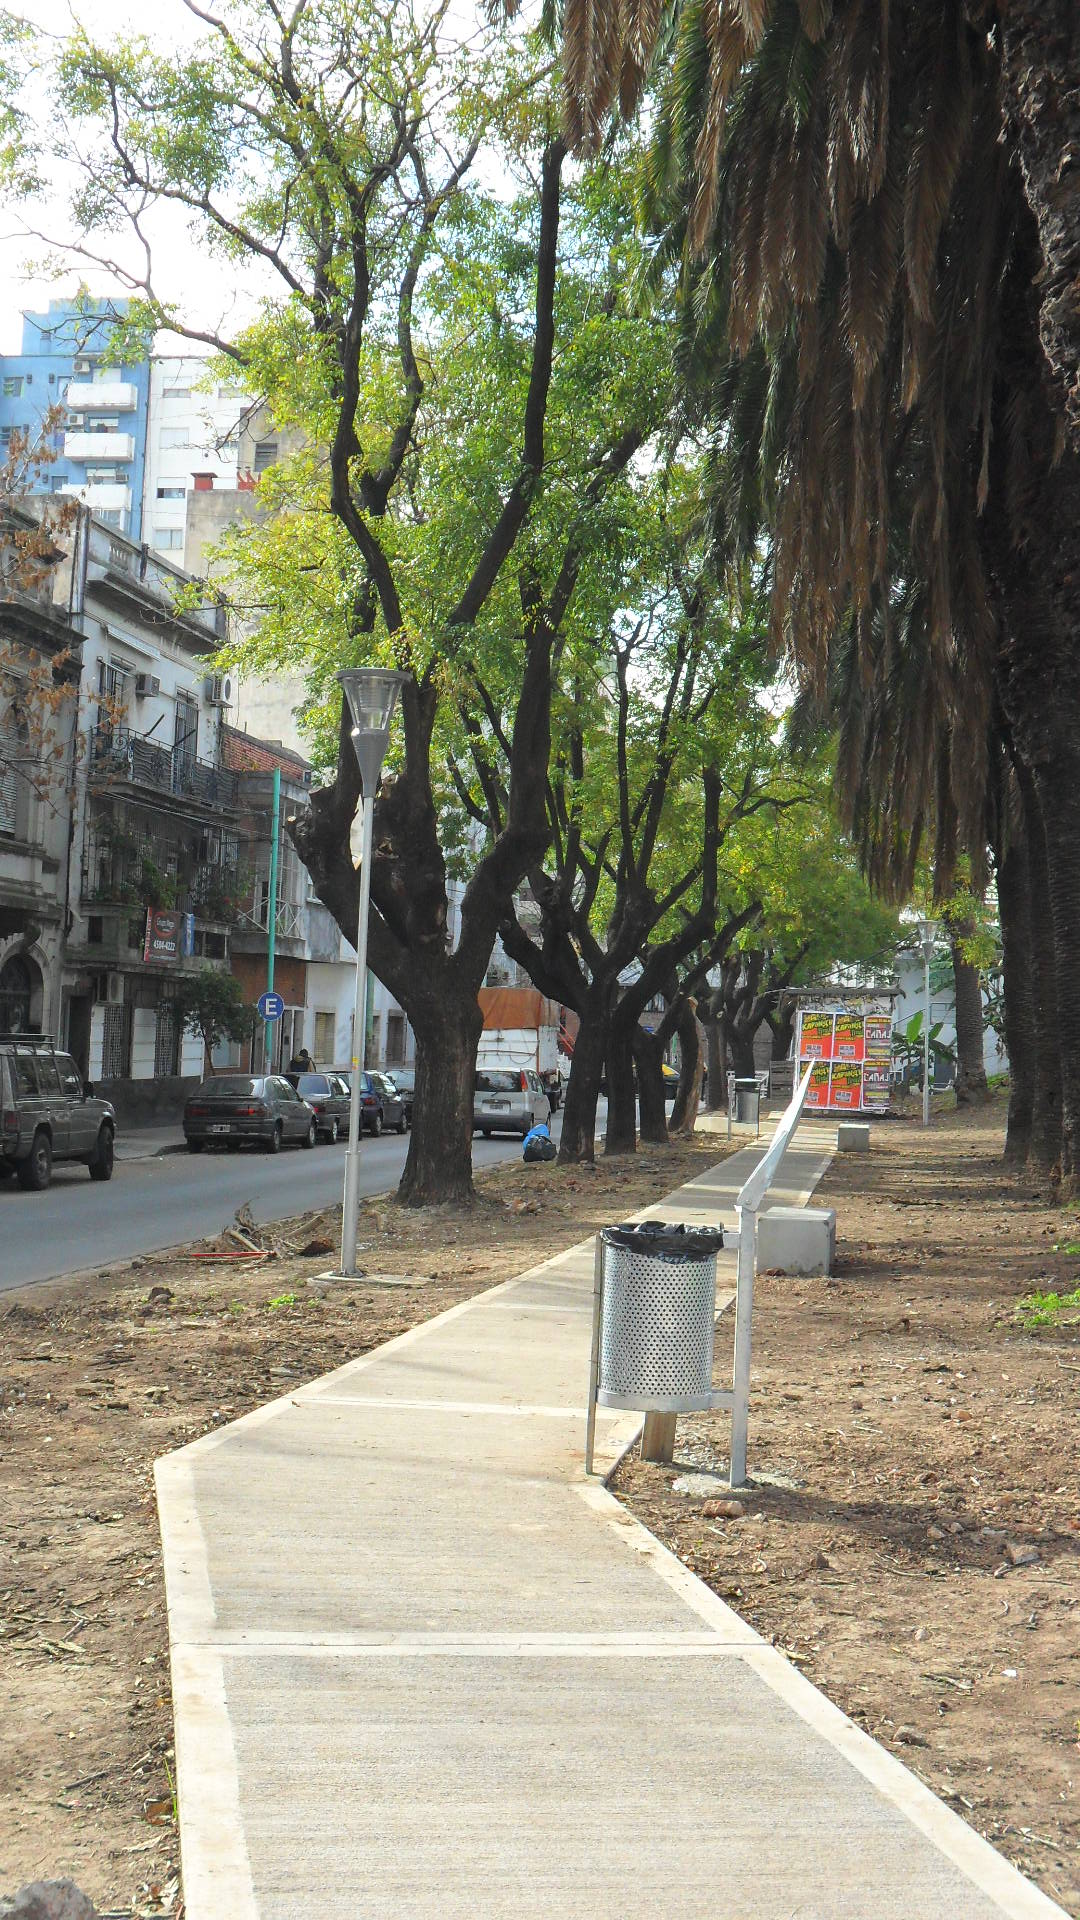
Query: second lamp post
x=372 y=695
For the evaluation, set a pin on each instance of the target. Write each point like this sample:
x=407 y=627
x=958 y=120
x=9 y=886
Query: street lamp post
x=927 y=931
x=372 y=695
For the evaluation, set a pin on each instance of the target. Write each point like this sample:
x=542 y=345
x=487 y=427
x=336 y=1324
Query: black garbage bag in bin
x=657 y=1320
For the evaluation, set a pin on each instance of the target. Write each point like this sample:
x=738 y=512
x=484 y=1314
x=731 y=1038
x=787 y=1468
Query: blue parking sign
x=271 y=1006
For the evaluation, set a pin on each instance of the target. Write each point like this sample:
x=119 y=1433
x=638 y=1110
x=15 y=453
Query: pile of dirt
x=912 y=1536
x=98 y=1378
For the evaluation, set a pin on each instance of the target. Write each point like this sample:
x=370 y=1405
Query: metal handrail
x=751 y=1194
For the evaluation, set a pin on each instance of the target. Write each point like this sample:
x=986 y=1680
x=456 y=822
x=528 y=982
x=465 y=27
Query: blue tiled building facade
x=99 y=447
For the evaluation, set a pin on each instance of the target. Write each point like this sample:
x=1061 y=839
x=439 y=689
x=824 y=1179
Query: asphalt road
x=78 y=1224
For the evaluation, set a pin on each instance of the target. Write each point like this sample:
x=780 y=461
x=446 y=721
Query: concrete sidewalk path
x=422 y=1667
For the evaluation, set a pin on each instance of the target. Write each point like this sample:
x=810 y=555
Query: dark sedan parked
x=328 y=1094
x=230 y=1108
x=381 y=1105
x=404 y=1079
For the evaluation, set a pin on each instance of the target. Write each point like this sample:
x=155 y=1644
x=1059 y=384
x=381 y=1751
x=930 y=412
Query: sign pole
x=271 y=912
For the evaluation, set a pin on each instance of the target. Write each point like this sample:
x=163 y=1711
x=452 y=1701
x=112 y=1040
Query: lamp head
x=372 y=696
x=927 y=934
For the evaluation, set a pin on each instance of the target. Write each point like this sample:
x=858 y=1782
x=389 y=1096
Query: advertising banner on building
x=852 y=1049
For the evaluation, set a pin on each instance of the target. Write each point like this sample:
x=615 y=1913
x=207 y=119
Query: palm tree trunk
x=1017 y=968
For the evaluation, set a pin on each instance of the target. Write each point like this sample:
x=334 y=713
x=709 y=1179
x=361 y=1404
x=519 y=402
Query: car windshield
x=309 y=1082
x=229 y=1084
x=498 y=1083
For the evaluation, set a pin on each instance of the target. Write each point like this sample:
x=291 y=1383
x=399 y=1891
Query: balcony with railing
x=121 y=757
x=124 y=866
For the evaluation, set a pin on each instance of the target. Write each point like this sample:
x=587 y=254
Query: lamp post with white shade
x=372 y=696
x=927 y=935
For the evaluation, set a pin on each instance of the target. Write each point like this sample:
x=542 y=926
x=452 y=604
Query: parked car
x=230 y=1108
x=404 y=1079
x=47 y=1113
x=381 y=1105
x=328 y=1097
x=508 y=1100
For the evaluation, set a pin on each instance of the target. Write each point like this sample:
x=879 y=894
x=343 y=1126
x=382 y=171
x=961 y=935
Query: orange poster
x=848 y=1041
x=818 y=1091
x=845 y=1091
x=816 y=1037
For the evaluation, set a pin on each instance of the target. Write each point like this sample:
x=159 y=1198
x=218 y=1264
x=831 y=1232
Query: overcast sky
x=181 y=269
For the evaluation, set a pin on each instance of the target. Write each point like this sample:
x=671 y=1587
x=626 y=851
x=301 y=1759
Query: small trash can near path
x=654 y=1314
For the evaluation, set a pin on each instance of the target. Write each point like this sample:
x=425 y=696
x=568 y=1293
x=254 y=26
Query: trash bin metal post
x=594 y=1356
x=744 y=1310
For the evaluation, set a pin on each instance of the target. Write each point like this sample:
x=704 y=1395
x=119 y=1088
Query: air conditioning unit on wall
x=146 y=684
x=219 y=689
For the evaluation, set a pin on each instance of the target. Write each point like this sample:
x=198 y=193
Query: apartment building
x=97 y=449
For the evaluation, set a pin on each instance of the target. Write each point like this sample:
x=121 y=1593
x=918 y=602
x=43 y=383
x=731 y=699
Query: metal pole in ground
x=271 y=916
x=744 y=1308
x=352 y=1156
x=594 y=1354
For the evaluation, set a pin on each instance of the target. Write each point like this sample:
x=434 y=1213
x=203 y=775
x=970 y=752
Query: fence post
x=594 y=1355
x=744 y=1308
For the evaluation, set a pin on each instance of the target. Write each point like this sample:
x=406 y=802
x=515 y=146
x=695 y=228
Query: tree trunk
x=438 y=1168
x=621 y=1136
x=1041 y=45
x=577 y=1140
x=1046 y=1106
x=970 y=1065
x=742 y=1053
x=1059 y=792
x=648 y=1058
x=691 y=1067
x=1014 y=901
x=716 y=1044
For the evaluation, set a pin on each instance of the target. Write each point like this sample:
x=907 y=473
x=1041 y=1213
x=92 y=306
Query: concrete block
x=796 y=1240
x=853 y=1136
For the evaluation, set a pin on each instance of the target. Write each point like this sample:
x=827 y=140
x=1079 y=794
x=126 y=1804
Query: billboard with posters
x=853 y=1051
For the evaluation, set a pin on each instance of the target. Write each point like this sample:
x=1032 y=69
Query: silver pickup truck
x=47 y=1114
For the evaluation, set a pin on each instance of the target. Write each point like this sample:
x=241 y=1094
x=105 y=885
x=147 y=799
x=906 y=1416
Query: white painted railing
x=751 y=1195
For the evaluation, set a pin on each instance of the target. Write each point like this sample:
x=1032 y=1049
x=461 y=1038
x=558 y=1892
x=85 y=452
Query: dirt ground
x=918 y=1549
x=100 y=1375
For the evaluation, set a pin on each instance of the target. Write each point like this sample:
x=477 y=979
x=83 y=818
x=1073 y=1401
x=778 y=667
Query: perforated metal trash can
x=747 y=1102
x=657 y=1319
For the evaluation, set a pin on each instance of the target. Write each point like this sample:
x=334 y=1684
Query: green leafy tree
x=471 y=386
x=211 y=1004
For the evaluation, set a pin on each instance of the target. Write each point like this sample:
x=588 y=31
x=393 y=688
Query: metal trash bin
x=748 y=1103
x=657 y=1317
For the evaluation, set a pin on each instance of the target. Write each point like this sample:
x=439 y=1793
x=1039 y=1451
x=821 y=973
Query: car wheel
x=273 y=1145
x=376 y=1125
x=6 y=1169
x=310 y=1136
x=35 y=1171
x=402 y=1123
x=486 y=1131
x=333 y=1133
x=195 y=1146
x=101 y=1160
x=234 y=1146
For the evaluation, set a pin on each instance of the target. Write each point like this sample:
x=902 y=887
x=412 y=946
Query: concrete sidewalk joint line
x=421 y=1665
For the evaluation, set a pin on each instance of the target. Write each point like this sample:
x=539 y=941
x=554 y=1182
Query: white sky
x=182 y=271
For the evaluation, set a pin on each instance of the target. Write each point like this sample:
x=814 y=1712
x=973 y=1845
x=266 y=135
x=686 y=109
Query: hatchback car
x=230 y=1108
x=47 y=1113
x=328 y=1095
x=508 y=1100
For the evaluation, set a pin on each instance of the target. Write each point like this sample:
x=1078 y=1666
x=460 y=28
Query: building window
x=171 y=493
x=174 y=437
x=168 y=539
x=136 y=933
x=57 y=482
x=324 y=1039
x=395 y=1039
x=265 y=455
x=5 y=436
x=210 y=946
x=177 y=393
x=101 y=424
x=105 y=477
x=110 y=517
x=12 y=386
x=95 y=930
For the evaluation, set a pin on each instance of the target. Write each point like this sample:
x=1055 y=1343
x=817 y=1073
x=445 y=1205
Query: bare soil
x=918 y=1550
x=99 y=1376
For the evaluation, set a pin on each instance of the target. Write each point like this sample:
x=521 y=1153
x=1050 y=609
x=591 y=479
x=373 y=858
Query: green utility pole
x=271 y=914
